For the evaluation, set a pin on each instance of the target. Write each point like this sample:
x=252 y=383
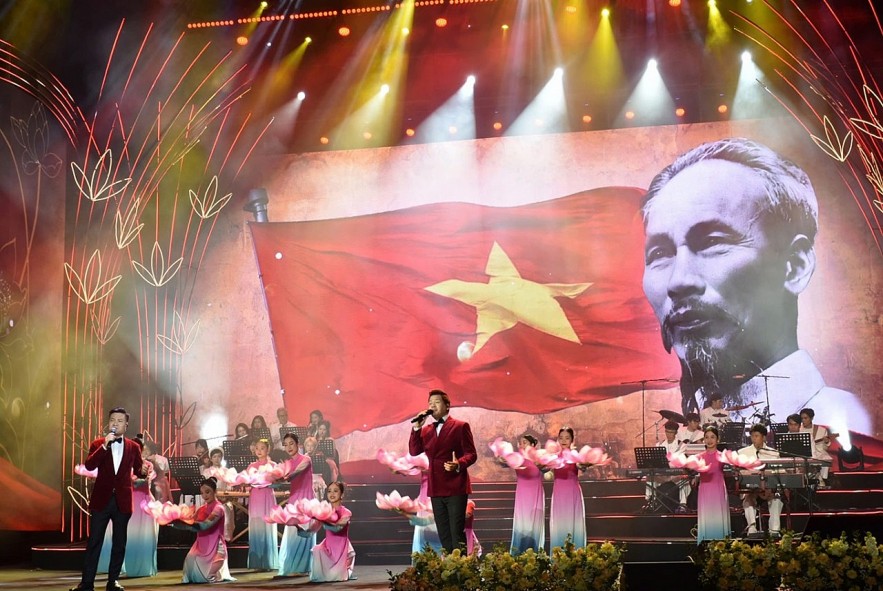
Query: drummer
x=759 y=450
x=714 y=414
x=692 y=431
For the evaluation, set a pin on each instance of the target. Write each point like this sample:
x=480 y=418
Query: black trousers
x=98 y=527
x=450 y=520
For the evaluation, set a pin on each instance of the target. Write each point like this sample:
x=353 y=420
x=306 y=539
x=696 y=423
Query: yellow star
x=507 y=299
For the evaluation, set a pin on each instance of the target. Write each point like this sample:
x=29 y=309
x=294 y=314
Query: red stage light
x=441 y=22
x=343 y=31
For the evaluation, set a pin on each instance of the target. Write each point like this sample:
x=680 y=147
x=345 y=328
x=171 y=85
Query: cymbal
x=741 y=407
x=673 y=416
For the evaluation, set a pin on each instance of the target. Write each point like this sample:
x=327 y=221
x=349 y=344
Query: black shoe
x=79 y=588
x=115 y=587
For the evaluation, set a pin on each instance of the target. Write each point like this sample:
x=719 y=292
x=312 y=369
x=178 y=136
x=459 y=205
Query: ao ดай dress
x=207 y=560
x=263 y=553
x=712 y=504
x=529 y=519
x=295 y=551
x=568 y=511
x=334 y=558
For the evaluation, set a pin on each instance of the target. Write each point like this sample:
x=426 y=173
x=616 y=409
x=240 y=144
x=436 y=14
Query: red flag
x=532 y=308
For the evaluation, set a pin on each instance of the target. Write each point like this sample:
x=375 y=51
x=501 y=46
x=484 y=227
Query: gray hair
x=791 y=205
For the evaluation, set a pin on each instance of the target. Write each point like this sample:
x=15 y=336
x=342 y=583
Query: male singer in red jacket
x=448 y=444
x=116 y=458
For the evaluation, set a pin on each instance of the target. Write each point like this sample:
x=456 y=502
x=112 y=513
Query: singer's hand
x=109 y=438
x=453 y=465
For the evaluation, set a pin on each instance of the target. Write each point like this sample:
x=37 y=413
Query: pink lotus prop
x=396 y=502
x=261 y=476
x=504 y=451
x=227 y=475
x=315 y=509
x=83 y=471
x=738 y=460
x=287 y=515
x=679 y=460
x=548 y=457
x=165 y=513
x=595 y=456
x=407 y=465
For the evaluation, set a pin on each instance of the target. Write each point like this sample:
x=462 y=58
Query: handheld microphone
x=419 y=418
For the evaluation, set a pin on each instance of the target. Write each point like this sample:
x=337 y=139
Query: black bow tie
x=117 y=440
x=441 y=422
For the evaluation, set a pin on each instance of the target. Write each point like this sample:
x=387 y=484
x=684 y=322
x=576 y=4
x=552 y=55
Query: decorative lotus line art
x=181 y=339
x=98 y=186
x=126 y=228
x=91 y=287
x=158 y=274
x=31 y=135
x=834 y=147
x=79 y=499
x=104 y=331
x=873 y=175
x=873 y=104
x=209 y=204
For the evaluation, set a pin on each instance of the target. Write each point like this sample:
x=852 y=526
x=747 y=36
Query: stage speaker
x=832 y=525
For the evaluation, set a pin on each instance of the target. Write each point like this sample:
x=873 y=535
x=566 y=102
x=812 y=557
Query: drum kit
x=733 y=433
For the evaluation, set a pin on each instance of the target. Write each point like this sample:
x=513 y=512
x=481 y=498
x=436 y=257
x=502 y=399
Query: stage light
x=722 y=109
x=571 y=9
x=264 y=4
x=452 y=130
x=652 y=64
x=498 y=125
x=674 y=3
x=301 y=95
x=746 y=56
x=409 y=132
x=406 y=31
x=367 y=135
x=587 y=118
x=441 y=22
x=630 y=115
x=605 y=12
x=384 y=89
x=308 y=40
x=269 y=44
x=558 y=73
x=257 y=204
x=470 y=80
x=242 y=40
x=680 y=112
x=324 y=140
x=505 y=27
x=343 y=31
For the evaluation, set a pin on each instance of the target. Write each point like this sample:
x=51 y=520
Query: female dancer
x=263 y=554
x=528 y=522
x=140 y=560
x=334 y=558
x=207 y=560
x=712 y=503
x=294 y=552
x=568 y=512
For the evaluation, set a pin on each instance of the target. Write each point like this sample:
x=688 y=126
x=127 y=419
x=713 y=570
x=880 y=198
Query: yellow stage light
x=680 y=112
x=441 y=22
x=343 y=31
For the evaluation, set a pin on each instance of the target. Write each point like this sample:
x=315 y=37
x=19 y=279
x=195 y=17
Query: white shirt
x=673 y=447
x=684 y=434
x=116 y=450
x=707 y=416
x=817 y=441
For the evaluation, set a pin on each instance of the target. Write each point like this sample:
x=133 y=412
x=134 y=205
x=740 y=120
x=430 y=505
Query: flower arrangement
x=738 y=460
x=301 y=512
x=406 y=465
x=679 y=460
x=166 y=513
x=586 y=456
x=596 y=566
x=396 y=502
x=811 y=564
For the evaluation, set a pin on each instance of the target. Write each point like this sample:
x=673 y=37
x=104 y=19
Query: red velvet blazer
x=108 y=481
x=456 y=437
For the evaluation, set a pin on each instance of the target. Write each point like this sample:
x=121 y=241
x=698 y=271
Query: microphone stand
x=767 y=418
x=643 y=408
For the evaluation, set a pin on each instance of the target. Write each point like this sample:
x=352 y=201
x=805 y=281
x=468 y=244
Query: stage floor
x=369 y=577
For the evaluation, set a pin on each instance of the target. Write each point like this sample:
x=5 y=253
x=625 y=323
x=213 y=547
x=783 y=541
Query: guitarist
x=821 y=441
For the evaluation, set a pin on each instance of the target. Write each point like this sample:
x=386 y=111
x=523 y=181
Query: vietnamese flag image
x=532 y=308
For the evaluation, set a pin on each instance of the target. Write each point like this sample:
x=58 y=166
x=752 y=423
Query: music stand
x=236 y=447
x=326 y=446
x=777 y=428
x=185 y=471
x=794 y=444
x=653 y=459
x=262 y=433
x=238 y=462
x=299 y=432
x=733 y=434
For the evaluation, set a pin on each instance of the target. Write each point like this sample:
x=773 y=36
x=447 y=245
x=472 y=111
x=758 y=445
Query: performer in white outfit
x=673 y=445
x=820 y=441
x=692 y=432
x=759 y=450
x=714 y=414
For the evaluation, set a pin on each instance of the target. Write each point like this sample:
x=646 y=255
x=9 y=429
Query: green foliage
x=811 y=564
x=596 y=566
